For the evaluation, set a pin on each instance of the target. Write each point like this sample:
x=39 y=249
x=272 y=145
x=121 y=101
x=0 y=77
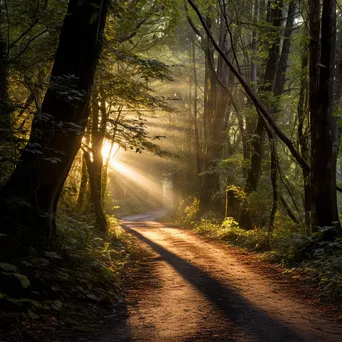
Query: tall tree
x=29 y=199
x=324 y=130
x=94 y=158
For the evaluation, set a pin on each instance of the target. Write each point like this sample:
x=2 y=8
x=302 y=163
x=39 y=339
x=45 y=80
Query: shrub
x=321 y=260
x=79 y=276
x=186 y=213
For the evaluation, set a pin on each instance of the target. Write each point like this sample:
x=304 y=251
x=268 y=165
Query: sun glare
x=109 y=151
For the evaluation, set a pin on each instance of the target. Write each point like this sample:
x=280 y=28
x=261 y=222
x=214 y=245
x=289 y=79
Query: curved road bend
x=194 y=290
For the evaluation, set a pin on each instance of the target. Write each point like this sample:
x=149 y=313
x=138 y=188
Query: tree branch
x=253 y=97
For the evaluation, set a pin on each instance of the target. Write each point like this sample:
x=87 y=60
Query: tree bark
x=324 y=130
x=83 y=187
x=217 y=118
x=197 y=136
x=95 y=165
x=5 y=107
x=274 y=178
x=303 y=136
x=274 y=17
x=279 y=81
x=288 y=210
x=30 y=197
x=209 y=181
x=95 y=191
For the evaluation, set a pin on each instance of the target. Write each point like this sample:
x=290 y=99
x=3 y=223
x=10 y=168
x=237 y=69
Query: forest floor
x=190 y=288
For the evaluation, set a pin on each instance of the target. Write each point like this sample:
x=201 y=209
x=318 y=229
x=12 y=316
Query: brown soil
x=193 y=289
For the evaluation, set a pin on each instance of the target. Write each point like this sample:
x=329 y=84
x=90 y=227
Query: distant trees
x=264 y=68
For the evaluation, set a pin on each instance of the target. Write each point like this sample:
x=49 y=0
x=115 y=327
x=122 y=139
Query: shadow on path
x=255 y=322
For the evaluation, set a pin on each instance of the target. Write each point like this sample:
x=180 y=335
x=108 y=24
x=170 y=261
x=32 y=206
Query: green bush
x=319 y=259
x=229 y=230
x=186 y=212
x=315 y=256
x=77 y=277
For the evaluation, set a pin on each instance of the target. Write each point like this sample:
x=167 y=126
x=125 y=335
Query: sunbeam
x=153 y=188
x=109 y=151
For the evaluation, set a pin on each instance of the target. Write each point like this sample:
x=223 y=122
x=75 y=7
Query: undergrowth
x=318 y=258
x=78 y=278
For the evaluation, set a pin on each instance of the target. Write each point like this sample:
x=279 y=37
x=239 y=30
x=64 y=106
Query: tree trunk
x=216 y=114
x=274 y=178
x=324 y=130
x=303 y=137
x=197 y=136
x=274 y=16
x=288 y=209
x=83 y=187
x=94 y=172
x=5 y=107
x=209 y=182
x=95 y=165
x=279 y=81
x=29 y=199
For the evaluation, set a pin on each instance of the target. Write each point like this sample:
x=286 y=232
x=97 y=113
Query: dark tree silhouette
x=29 y=199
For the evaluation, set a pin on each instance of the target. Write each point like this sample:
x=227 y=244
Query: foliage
x=229 y=230
x=79 y=276
x=319 y=260
x=155 y=71
x=186 y=212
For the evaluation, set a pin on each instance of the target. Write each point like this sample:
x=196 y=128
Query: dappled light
x=170 y=170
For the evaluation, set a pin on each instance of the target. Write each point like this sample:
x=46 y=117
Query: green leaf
x=40 y=261
x=8 y=267
x=55 y=289
x=32 y=315
x=94 y=5
x=82 y=328
x=63 y=276
x=26 y=263
x=93 y=297
x=53 y=255
x=53 y=160
x=57 y=305
x=32 y=302
x=24 y=281
x=14 y=301
x=94 y=17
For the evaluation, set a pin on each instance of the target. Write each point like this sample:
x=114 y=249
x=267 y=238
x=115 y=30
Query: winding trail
x=197 y=290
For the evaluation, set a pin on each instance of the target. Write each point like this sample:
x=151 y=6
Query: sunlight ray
x=153 y=188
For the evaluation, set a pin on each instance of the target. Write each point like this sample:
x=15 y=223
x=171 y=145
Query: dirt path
x=197 y=290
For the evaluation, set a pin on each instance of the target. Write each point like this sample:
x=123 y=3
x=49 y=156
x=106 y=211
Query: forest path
x=192 y=289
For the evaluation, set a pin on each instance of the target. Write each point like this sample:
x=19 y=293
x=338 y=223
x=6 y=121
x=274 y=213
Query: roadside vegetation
x=70 y=285
x=315 y=258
